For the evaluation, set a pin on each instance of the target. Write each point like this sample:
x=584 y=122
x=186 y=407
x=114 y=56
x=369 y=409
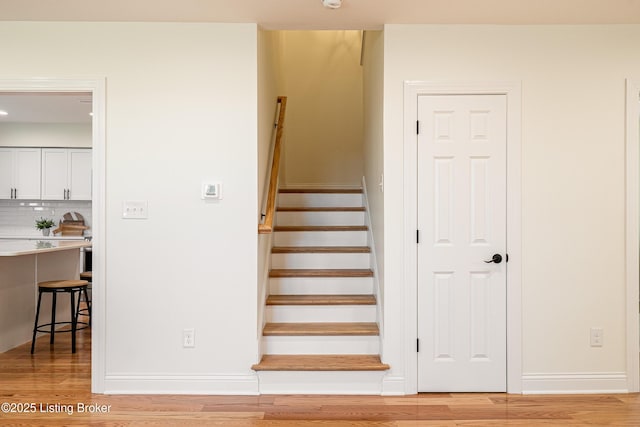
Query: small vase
x=45 y=231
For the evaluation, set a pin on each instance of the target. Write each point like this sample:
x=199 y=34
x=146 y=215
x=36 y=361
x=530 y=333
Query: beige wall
x=573 y=124
x=323 y=82
x=181 y=109
x=373 y=103
x=45 y=134
x=269 y=88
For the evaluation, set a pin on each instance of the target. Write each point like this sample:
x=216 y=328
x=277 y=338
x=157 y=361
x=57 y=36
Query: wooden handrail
x=267 y=226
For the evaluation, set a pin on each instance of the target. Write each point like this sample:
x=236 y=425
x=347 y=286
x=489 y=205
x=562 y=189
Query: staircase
x=321 y=334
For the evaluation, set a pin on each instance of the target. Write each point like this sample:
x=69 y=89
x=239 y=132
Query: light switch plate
x=135 y=209
x=212 y=190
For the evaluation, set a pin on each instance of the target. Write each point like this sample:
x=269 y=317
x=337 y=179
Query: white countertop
x=10 y=247
x=32 y=237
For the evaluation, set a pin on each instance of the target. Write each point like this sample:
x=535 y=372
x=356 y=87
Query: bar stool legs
x=86 y=311
x=35 y=328
x=52 y=334
x=55 y=287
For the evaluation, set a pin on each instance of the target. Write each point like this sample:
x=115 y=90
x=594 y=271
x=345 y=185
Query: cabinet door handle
x=15 y=193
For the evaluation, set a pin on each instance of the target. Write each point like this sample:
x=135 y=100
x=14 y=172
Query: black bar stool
x=86 y=311
x=54 y=288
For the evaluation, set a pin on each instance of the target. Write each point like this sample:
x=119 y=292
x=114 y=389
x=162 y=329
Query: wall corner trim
x=632 y=208
x=393 y=386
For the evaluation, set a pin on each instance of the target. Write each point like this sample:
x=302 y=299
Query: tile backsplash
x=18 y=217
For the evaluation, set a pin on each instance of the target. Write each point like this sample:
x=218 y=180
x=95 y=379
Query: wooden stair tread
x=320 y=228
x=340 y=272
x=321 y=329
x=320 y=362
x=321 y=209
x=320 y=190
x=320 y=250
x=321 y=300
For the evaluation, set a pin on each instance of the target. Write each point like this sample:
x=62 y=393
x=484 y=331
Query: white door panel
x=462 y=223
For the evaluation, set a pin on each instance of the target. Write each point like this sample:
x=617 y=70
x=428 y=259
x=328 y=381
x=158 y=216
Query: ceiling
x=310 y=14
x=42 y=107
x=288 y=15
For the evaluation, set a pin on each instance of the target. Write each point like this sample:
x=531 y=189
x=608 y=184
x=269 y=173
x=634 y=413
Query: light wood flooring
x=57 y=377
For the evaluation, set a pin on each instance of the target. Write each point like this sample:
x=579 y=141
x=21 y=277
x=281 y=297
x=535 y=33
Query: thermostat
x=212 y=190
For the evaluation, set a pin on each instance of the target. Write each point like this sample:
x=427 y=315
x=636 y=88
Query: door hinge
x=417 y=236
x=417 y=345
x=417 y=127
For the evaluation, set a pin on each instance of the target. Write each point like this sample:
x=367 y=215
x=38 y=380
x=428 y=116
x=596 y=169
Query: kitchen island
x=24 y=263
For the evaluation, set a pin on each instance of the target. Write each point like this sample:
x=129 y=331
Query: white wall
x=323 y=82
x=181 y=108
x=373 y=103
x=45 y=134
x=269 y=88
x=573 y=123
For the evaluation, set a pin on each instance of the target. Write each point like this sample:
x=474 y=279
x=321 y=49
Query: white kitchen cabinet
x=20 y=173
x=66 y=174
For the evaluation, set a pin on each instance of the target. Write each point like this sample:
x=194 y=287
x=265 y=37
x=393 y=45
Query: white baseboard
x=373 y=262
x=182 y=384
x=575 y=383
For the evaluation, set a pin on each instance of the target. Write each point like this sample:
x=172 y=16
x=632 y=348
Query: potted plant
x=44 y=225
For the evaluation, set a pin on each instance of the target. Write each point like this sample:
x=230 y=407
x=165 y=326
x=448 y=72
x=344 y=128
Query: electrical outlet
x=189 y=338
x=597 y=337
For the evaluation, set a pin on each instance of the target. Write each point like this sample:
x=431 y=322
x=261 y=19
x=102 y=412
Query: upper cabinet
x=20 y=173
x=66 y=174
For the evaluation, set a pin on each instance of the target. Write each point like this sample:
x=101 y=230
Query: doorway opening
x=64 y=119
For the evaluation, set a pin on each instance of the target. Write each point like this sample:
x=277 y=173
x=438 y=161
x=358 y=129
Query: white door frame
x=512 y=90
x=97 y=88
x=632 y=240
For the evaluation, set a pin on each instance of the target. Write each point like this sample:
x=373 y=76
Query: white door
x=462 y=223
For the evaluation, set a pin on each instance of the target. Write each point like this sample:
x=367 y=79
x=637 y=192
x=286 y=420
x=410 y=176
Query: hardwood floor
x=56 y=377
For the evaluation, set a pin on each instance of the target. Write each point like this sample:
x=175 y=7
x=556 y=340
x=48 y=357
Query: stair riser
x=305 y=382
x=341 y=313
x=320 y=238
x=323 y=261
x=321 y=285
x=320 y=218
x=315 y=200
x=321 y=345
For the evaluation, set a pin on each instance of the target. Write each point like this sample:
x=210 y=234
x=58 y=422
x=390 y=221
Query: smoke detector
x=332 y=4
